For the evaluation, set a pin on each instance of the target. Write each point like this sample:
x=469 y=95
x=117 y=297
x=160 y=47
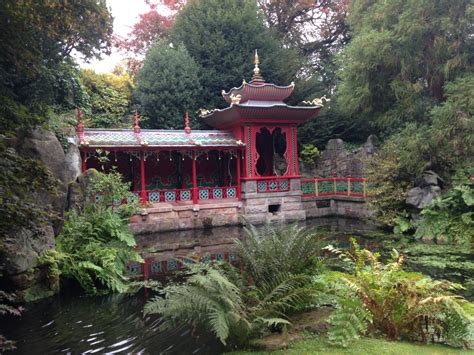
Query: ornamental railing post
x=142 y=178
x=334 y=182
x=195 y=189
x=316 y=186
x=364 y=184
x=238 y=160
x=349 y=186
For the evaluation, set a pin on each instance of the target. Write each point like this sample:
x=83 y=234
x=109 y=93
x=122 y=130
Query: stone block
x=295 y=184
x=249 y=186
x=252 y=209
x=275 y=200
x=292 y=206
x=292 y=216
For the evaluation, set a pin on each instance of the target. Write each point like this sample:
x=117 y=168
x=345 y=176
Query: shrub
x=267 y=252
x=450 y=217
x=95 y=244
x=398 y=304
x=238 y=307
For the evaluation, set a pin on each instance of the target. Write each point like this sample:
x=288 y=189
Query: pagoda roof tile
x=95 y=137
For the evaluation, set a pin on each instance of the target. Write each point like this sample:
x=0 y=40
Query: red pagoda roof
x=107 y=138
x=259 y=92
x=260 y=114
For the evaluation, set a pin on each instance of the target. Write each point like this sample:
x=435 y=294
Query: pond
x=115 y=324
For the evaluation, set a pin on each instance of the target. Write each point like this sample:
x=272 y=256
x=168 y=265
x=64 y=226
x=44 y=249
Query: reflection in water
x=112 y=324
x=115 y=324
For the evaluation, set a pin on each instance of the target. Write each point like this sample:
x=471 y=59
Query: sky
x=125 y=14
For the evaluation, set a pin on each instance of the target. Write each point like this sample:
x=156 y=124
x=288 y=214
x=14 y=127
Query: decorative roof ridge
x=257 y=86
x=178 y=131
x=261 y=107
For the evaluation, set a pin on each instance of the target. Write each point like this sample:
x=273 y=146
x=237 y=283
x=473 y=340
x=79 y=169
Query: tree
x=167 y=86
x=221 y=36
x=401 y=54
x=109 y=97
x=36 y=42
x=317 y=28
x=151 y=25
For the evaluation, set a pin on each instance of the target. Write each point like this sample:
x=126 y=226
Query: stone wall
x=168 y=217
x=350 y=207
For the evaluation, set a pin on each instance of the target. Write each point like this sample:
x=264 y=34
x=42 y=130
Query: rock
x=429 y=178
x=337 y=159
x=73 y=161
x=20 y=246
x=420 y=197
x=78 y=190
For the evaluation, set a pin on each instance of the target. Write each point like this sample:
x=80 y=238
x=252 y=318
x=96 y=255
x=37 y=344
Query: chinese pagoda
x=249 y=157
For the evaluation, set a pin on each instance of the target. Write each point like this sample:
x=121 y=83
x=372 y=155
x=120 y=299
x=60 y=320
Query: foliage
x=317 y=28
x=221 y=36
x=108 y=99
x=6 y=308
x=151 y=26
x=236 y=307
x=95 y=244
x=21 y=177
x=443 y=146
x=401 y=304
x=400 y=56
x=310 y=154
x=208 y=298
x=450 y=216
x=167 y=86
x=37 y=39
x=267 y=252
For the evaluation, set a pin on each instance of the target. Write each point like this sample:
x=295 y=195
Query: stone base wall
x=167 y=217
x=255 y=208
x=340 y=206
x=272 y=207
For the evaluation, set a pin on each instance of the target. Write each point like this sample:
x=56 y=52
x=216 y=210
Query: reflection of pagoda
x=249 y=160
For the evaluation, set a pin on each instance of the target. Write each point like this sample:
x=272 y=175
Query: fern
x=349 y=321
x=399 y=304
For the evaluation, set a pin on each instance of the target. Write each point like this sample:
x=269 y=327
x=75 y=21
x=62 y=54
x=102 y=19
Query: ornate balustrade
x=203 y=193
x=273 y=184
x=334 y=186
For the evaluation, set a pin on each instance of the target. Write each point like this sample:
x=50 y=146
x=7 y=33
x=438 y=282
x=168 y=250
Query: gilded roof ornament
x=235 y=99
x=318 y=101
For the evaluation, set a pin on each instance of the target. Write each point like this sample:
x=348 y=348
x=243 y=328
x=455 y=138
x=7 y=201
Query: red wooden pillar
x=295 y=150
x=142 y=177
x=238 y=174
x=195 y=189
x=84 y=161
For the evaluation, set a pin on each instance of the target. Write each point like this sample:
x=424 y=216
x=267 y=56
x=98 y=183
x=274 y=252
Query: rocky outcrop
x=336 y=158
x=21 y=246
x=78 y=190
x=428 y=187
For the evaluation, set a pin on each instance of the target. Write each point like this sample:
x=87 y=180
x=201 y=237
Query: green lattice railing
x=334 y=187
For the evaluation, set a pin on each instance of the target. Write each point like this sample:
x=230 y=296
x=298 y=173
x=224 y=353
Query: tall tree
x=167 y=86
x=401 y=54
x=221 y=36
x=316 y=27
x=36 y=42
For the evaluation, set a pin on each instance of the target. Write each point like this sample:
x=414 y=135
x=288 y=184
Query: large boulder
x=21 y=246
x=428 y=187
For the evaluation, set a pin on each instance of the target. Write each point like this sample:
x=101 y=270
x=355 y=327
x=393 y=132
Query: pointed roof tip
x=187 y=129
x=257 y=77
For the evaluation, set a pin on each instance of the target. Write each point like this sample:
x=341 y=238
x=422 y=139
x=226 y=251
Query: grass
x=367 y=346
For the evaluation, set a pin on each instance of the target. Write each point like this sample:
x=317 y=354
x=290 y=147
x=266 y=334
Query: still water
x=115 y=324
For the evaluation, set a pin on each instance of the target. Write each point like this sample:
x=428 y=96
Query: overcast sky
x=125 y=13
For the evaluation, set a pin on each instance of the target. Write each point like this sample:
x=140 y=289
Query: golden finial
x=256 y=70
